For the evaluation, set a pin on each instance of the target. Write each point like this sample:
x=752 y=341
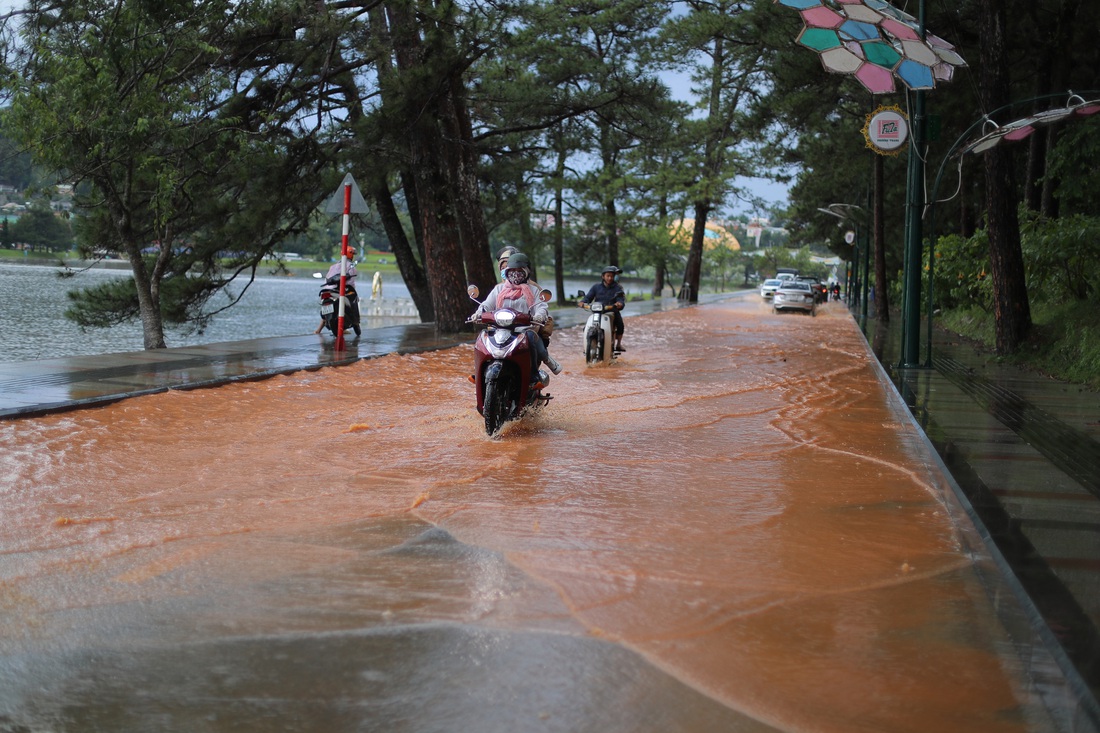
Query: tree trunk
x=462 y=163
x=612 y=214
x=152 y=325
x=659 y=281
x=378 y=190
x=608 y=192
x=411 y=272
x=1011 y=311
x=412 y=203
x=559 y=227
x=694 y=268
x=442 y=253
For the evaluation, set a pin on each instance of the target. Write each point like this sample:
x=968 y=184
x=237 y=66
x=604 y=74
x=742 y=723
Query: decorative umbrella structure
x=876 y=43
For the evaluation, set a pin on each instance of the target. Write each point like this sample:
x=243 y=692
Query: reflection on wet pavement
x=724 y=530
x=1024 y=450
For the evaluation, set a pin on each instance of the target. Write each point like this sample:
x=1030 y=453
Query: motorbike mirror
x=580 y=293
x=545 y=296
x=472 y=291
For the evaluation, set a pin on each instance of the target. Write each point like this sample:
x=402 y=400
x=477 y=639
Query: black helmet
x=612 y=269
x=518 y=261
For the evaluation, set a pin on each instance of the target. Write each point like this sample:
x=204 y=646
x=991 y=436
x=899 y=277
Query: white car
x=795 y=295
x=768 y=288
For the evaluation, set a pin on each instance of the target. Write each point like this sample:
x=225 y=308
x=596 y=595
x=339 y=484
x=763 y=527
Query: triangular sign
x=336 y=203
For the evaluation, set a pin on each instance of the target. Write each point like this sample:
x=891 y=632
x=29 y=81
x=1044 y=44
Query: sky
x=759 y=188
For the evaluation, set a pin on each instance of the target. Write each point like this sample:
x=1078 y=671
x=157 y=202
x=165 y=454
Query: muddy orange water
x=730 y=529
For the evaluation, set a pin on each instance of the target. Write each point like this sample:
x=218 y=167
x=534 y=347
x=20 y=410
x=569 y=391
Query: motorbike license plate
x=326 y=309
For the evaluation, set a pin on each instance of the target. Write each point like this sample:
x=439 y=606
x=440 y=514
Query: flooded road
x=729 y=529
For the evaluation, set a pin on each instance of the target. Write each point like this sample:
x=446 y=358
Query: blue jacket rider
x=519 y=295
x=609 y=292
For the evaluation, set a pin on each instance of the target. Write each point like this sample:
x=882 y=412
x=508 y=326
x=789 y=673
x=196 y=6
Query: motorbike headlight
x=504 y=318
x=597 y=307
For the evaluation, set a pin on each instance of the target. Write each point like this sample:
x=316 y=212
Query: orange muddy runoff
x=728 y=529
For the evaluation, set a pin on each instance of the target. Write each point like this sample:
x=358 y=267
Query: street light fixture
x=855 y=215
x=1074 y=107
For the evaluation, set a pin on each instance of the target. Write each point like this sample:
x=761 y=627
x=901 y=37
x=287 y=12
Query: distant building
x=716 y=235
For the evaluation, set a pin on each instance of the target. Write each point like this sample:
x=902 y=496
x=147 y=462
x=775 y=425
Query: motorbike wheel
x=592 y=348
x=495 y=405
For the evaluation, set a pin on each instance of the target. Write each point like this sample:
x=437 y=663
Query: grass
x=383 y=262
x=1064 y=342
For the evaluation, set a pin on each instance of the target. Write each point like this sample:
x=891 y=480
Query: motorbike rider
x=611 y=294
x=334 y=271
x=502 y=258
x=522 y=296
x=502 y=263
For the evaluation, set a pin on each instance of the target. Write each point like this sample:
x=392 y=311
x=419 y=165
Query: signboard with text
x=887 y=130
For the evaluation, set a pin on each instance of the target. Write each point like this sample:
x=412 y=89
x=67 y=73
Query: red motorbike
x=507 y=384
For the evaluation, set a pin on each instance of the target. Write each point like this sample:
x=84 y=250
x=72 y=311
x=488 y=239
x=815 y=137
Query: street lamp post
x=861 y=245
x=914 y=234
x=851 y=36
x=852 y=285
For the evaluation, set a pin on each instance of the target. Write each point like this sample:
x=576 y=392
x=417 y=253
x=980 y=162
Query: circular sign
x=887 y=130
x=849 y=236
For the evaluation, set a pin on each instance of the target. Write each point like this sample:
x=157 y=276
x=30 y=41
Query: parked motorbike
x=506 y=388
x=599 y=337
x=330 y=305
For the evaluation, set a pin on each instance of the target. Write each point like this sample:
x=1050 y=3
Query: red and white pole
x=343 y=266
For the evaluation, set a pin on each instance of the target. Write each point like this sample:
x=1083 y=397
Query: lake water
x=33 y=302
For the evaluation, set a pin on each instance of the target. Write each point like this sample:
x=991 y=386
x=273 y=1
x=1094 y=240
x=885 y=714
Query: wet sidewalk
x=1007 y=439
x=1025 y=451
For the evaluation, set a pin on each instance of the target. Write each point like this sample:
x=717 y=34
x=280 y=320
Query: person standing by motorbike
x=334 y=271
x=522 y=296
x=611 y=294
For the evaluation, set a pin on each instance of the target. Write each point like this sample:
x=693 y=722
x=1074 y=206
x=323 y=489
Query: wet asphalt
x=1022 y=449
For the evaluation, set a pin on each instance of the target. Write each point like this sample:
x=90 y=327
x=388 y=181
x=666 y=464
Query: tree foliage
x=41 y=230
x=177 y=144
x=205 y=133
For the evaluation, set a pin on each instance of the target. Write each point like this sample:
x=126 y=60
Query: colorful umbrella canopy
x=874 y=42
x=1022 y=128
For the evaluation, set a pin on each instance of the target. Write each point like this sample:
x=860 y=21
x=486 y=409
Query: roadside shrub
x=961 y=272
x=1061 y=257
x=1065 y=342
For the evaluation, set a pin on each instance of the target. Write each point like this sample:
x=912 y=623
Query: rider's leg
x=546 y=330
x=541 y=355
x=618 y=327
